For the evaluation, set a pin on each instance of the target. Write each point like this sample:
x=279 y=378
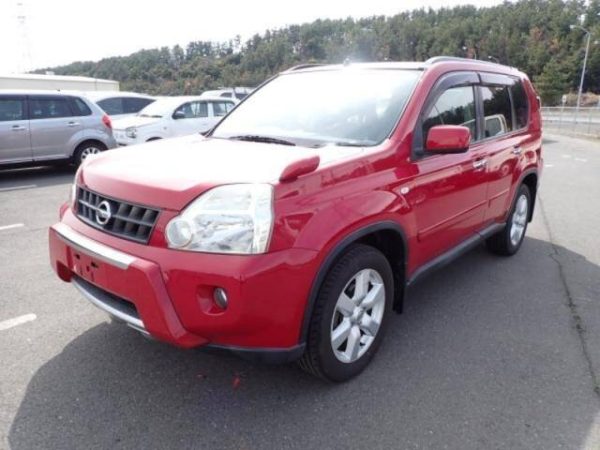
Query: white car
x=172 y=116
x=119 y=104
x=237 y=93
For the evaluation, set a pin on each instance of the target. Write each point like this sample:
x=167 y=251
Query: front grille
x=116 y=217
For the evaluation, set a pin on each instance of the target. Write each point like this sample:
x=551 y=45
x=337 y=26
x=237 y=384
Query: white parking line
x=10 y=227
x=18 y=188
x=10 y=323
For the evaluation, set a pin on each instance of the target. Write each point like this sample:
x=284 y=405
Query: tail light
x=106 y=121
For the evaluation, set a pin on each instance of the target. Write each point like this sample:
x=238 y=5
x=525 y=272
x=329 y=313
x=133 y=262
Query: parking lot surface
x=491 y=352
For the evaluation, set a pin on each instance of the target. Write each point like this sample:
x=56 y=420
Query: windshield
x=160 y=108
x=350 y=106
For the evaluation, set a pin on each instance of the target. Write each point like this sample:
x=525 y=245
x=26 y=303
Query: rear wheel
x=508 y=241
x=350 y=315
x=87 y=149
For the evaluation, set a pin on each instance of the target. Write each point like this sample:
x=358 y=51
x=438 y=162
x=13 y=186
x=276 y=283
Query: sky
x=58 y=32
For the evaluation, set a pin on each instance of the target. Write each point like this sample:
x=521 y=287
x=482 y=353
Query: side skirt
x=453 y=253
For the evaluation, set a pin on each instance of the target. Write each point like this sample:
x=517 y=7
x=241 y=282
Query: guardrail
x=585 y=121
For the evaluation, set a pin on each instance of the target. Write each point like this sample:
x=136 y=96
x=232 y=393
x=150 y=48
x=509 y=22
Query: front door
x=448 y=192
x=15 y=143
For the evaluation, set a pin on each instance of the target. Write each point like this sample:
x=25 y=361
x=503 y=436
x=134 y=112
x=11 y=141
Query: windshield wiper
x=265 y=139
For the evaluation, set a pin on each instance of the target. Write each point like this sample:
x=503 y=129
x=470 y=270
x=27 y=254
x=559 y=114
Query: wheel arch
x=530 y=179
x=87 y=140
x=387 y=237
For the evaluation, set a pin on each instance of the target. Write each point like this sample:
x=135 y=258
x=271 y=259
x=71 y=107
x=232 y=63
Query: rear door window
x=497 y=110
x=456 y=106
x=49 y=108
x=521 y=104
x=12 y=108
x=221 y=109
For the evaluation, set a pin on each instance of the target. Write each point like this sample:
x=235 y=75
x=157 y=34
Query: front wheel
x=508 y=241
x=350 y=315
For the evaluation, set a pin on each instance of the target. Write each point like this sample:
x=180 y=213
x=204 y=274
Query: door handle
x=479 y=164
x=73 y=124
x=18 y=128
x=516 y=150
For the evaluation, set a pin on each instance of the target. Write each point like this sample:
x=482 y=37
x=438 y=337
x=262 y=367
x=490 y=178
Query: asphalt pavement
x=491 y=352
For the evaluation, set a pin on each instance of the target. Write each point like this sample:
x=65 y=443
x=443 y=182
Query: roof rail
x=305 y=66
x=437 y=59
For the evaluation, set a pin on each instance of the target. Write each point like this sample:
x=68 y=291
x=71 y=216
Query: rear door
x=218 y=110
x=53 y=126
x=501 y=142
x=15 y=142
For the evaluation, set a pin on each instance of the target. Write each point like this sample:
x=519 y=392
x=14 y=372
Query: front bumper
x=168 y=294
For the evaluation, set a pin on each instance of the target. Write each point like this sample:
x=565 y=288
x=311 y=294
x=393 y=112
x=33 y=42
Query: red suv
x=294 y=228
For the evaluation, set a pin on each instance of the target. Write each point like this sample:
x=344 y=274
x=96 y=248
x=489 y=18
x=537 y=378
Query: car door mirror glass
x=179 y=115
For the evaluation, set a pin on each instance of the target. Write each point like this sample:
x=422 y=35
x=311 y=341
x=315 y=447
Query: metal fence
x=585 y=121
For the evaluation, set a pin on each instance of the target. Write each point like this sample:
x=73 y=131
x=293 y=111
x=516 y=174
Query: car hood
x=135 y=121
x=171 y=173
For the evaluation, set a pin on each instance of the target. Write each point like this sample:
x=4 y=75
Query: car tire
x=350 y=315
x=85 y=150
x=508 y=241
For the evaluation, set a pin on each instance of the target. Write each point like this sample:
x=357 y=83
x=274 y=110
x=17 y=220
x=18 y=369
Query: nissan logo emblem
x=103 y=213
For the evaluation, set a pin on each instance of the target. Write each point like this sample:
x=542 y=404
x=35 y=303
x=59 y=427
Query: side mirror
x=179 y=115
x=448 y=139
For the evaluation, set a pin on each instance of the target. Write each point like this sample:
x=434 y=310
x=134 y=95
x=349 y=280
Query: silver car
x=40 y=127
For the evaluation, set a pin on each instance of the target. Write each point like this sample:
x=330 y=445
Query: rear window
x=135 y=105
x=12 y=109
x=520 y=103
x=80 y=108
x=49 y=108
x=112 y=106
x=497 y=110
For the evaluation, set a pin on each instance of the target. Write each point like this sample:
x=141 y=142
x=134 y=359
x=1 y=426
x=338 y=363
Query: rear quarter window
x=80 y=108
x=520 y=104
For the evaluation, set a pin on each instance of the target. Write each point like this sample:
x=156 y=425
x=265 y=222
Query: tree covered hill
x=533 y=35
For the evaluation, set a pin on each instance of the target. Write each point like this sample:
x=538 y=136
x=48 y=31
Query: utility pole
x=25 y=57
x=587 y=51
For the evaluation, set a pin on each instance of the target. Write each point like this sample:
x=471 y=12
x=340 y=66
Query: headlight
x=235 y=218
x=131 y=132
x=73 y=194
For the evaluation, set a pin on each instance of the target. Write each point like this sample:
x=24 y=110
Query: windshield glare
x=350 y=106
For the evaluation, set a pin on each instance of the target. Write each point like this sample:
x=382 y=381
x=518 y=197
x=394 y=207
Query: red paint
x=448 y=139
x=299 y=168
x=438 y=202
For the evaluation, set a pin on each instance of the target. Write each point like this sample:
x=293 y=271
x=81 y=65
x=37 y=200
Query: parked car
x=119 y=105
x=237 y=93
x=40 y=127
x=172 y=116
x=294 y=229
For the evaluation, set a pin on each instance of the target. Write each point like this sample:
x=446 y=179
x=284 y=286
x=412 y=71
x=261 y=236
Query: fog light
x=220 y=297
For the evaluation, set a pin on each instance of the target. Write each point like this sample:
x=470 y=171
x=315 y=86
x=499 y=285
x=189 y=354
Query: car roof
x=453 y=63
x=37 y=92
x=101 y=95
